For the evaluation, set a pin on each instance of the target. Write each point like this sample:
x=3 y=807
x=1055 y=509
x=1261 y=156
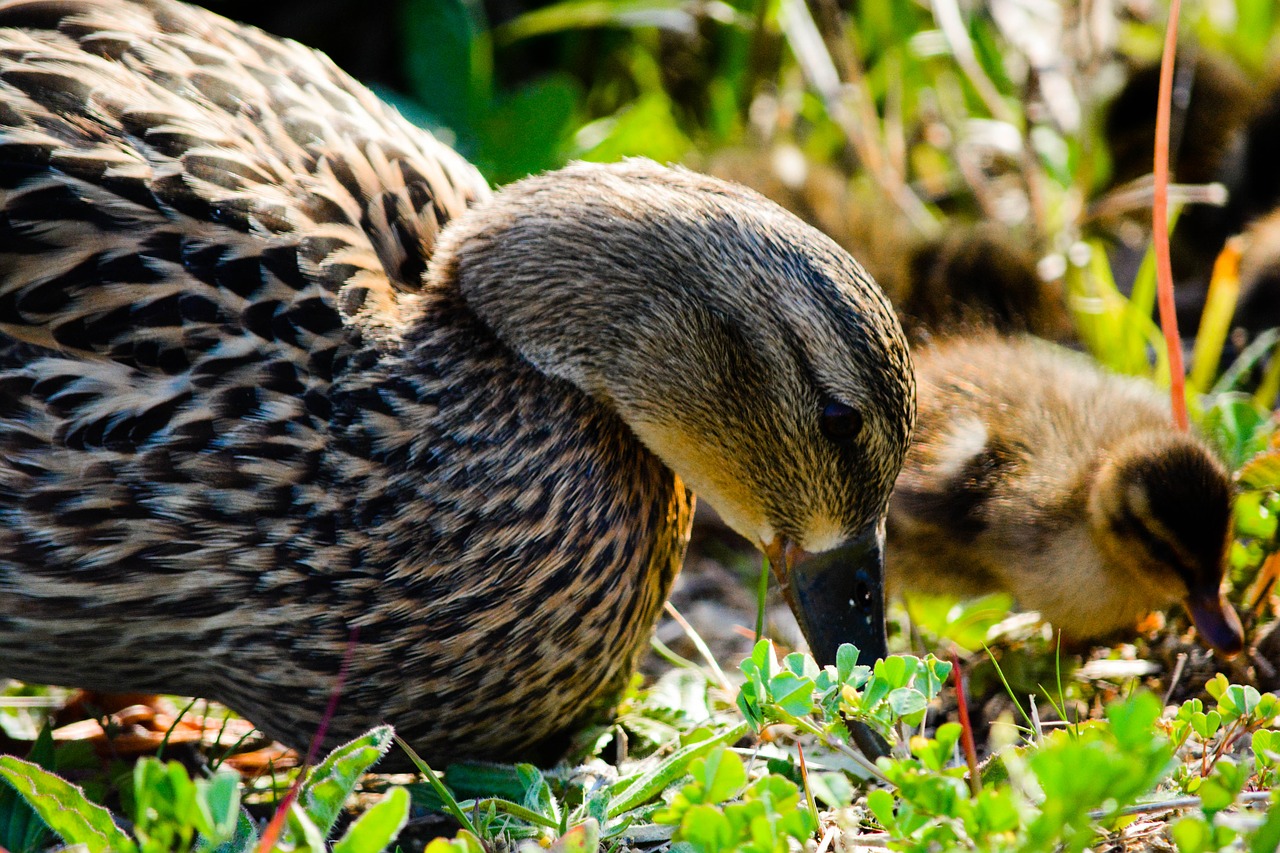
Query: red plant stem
x=966 y=728
x=804 y=777
x=271 y=834
x=1160 y=222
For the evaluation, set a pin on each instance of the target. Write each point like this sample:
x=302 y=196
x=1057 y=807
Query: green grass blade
x=513 y=809
x=672 y=768
x=445 y=795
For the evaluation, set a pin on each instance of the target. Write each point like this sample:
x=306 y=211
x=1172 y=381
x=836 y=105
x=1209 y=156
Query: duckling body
x=1036 y=473
x=280 y=377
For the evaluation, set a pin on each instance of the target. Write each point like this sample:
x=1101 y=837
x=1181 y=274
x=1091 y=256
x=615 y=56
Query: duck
x=294 y=406
x=1035 y=472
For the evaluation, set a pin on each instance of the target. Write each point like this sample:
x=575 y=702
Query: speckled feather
x=256 y=394
x=211 y=424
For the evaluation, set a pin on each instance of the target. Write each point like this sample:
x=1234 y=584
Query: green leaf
x=1267 y=838
x=374 y=830
x=996 y=812
x=1253 y=518
x=801 y=665
x=1133 y=721
x=508 y=807
x=833 y=789
x=723 y=776
x=909 y=704
x=218 y=799
x=1192 y=835
x=447 y=61
x=881 y=804
x=528 y=130
x=536 y=795
x=846 y=660
x=1206 y=725
x=244 y=840
x=1237 y=425
x=302 y=830
x=584 y=14
x=1262 y=746
x=948 y=735
x=894 y=671
x=792 y=694
x=64 y=808
x=336 y=777
x=1222 y=787
x=707 y=829
x=21 y=829
x=438 y=788
x=964 y=623
x=646 y=127
x=1239 y=701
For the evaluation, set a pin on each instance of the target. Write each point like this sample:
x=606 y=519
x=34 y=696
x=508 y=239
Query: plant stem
x=840 y=746
x=700 y=645
x=966 y=728
x=808 y=792
x=1160 y=222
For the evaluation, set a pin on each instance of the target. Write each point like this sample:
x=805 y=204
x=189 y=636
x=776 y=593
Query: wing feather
x=170 y=180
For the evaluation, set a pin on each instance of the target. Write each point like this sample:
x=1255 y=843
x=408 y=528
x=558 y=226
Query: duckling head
x=741 y=346
x=1161 y=512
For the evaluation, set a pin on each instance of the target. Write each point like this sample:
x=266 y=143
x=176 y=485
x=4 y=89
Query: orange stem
x=966 y=728
x=1160 y=223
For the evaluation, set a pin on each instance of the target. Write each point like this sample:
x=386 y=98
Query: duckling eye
x=840 y=422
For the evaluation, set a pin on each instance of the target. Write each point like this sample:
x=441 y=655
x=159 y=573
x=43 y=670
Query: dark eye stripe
x=839 y=422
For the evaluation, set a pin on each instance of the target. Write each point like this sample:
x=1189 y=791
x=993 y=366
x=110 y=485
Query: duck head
x=741 y=346
x=1161 y=510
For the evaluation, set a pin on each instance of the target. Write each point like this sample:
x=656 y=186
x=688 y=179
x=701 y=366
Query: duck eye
x=840 y=422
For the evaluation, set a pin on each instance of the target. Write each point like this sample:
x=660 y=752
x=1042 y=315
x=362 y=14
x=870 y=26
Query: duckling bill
x=1035 y=472
x=276 y=365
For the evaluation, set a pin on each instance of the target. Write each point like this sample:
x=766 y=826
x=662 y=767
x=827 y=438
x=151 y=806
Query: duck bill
x=838 y=595
x=1216 y=620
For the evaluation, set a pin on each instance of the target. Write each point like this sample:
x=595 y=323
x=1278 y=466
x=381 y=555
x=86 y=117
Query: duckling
x=978 y=275
x=1036 y=473
x=1226 y=128
x=281 y=378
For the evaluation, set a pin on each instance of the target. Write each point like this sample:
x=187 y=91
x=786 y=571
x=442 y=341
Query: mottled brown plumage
x=278 y=367
x=1037 y=473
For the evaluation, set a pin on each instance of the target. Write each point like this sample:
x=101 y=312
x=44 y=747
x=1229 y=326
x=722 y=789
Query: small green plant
x=765 y=816
x=1061 y=790
x=172 y=812
x=890 y=697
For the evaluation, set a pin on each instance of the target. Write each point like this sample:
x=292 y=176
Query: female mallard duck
x=278 y=369
x=1036 y=473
